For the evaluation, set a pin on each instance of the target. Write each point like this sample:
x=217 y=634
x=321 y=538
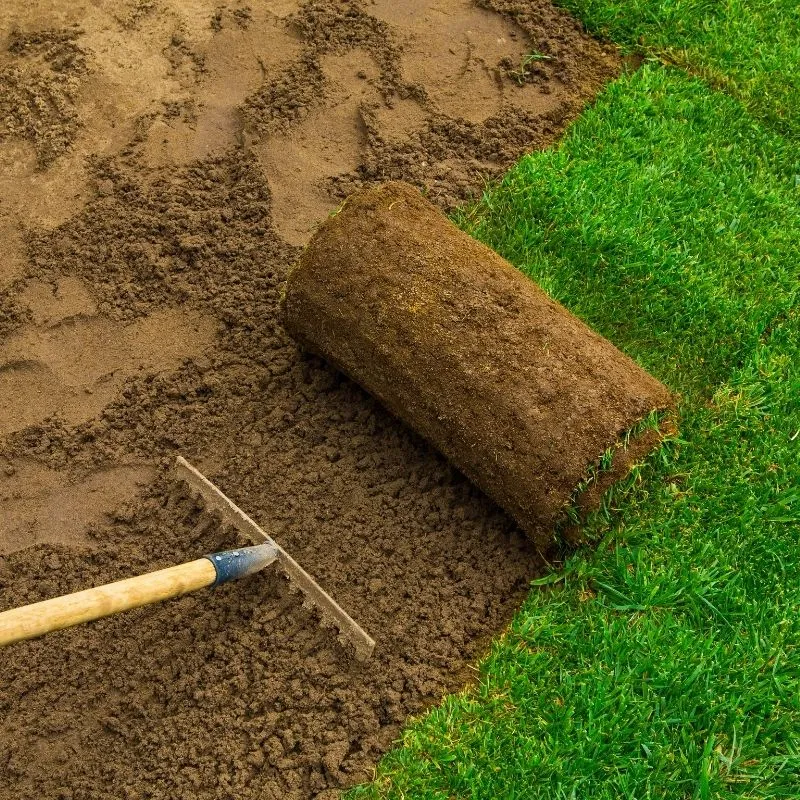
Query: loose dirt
x=161 y=163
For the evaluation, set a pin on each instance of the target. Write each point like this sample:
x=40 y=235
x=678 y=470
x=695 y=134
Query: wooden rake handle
x=30 y=621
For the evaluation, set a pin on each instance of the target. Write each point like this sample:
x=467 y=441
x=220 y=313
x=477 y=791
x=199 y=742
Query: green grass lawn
x=665 y=662
x=751 y=48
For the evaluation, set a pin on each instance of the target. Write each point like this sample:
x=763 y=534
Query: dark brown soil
x=150 y=211
x=517 y=392
x=40 y=75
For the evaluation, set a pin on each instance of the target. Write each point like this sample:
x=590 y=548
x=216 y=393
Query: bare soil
x=161 y=164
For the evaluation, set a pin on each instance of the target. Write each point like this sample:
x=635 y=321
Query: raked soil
x=162 y=162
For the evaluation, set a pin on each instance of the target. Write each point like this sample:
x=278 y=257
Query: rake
x=28 y=622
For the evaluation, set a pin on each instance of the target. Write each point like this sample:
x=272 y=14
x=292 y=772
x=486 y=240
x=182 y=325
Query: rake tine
x=231 y=513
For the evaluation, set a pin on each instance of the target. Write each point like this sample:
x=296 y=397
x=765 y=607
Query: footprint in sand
x=96 y=77
x=71 y=362
x=40 y=505
x=235 y=60
x=330 y=141
x=449 y=48
x=327 y=142
x=87 y=77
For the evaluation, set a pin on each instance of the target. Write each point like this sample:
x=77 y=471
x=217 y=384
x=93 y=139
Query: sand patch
x=73 y=368
x=44 y=506
x=456 y=53
x=328 y=142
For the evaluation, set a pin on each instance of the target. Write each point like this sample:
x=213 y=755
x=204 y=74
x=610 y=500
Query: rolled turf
x=511 y=387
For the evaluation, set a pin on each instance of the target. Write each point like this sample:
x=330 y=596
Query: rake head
x=331 y=612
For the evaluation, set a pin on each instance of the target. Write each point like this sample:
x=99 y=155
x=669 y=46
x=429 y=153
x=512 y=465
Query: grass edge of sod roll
x=664 y=663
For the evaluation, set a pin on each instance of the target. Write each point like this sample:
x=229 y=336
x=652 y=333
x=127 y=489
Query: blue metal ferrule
x=233 y=564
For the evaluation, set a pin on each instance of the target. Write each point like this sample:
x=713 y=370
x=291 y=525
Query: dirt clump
x=143 y=259
x=40 y=73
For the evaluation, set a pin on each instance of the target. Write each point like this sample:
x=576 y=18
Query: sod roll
x=513 y=389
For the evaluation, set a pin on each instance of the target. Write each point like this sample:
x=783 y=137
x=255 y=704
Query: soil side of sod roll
x=511 y=387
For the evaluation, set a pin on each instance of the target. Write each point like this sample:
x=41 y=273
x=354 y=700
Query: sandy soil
x=161 y=163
